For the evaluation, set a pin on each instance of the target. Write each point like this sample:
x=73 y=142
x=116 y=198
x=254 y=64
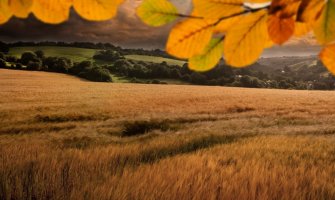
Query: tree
x=246 y=81
x=4 y=48
x=11 y=59
x=40 y=54
x=2 y=63
x=97 y=74
x=34 y=65
x=27 y=57
x=80 y=67
x=198 y=78
x=108 y=55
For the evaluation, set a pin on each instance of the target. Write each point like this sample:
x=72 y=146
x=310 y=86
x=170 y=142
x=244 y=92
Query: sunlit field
x=155 y=59
x=65 y=138
x=82 y=54
x=75 y=54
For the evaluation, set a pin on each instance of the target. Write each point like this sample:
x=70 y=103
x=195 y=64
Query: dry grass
x=62 y=138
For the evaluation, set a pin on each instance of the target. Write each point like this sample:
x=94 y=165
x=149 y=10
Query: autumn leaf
x=284 y=8
x=226 y=24
x=302 y=29
x=216 y=9
x=209 y=58
x=157 y=12
x=310 y=10
x=257 y=1
x=97 y=10
x=325 y=26
x=52 y=11
x=327 y=57
x=244 y=43
x=5 y=12
x=280 y=29
x=21 y=8
x=189 y=38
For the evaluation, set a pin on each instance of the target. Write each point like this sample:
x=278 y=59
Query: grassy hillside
x=302 y=73
x=275 y=63
x=155 y=59
x=75 y=54
x=81 y=54
x=62 y=138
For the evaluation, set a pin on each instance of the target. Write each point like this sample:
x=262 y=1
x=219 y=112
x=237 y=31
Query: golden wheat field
x=65 y=138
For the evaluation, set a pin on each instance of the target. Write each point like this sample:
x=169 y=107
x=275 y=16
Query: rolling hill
x=269 y=72
x=83 y=54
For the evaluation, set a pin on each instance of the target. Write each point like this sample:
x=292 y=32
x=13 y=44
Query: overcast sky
x=125 y=30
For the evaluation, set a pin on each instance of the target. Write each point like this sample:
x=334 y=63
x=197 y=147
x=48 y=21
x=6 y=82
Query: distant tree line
x=224 y=75
x=37 y=61
x=313 y=77
x=90 y=45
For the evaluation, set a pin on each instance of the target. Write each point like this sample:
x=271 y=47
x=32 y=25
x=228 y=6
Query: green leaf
x=325 y=26
x=210 y=58
x=157 y=12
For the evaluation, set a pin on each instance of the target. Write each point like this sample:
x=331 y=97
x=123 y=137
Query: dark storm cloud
x=125 y=30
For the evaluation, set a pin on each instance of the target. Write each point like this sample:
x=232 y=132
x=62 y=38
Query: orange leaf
x=189 y=38
x=284 y=8
x=280 y=29
x=6 y=12
x=245 y=42
x=302 y=28
x=327 y=57
x=310 y=10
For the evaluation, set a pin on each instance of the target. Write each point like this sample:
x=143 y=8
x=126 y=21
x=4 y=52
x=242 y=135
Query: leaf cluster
x=58 y=11
x=240 y=30
x=236 y=30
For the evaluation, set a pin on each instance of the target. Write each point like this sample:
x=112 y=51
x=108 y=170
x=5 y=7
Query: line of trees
x=90 y=45
x=224 y=75
x=37 y=61
x=305 y=77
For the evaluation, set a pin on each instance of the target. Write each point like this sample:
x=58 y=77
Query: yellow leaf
x=216 y=9
x=302 y=29
x=310 y=10
x=269 y=43
x=157 y=12
x=226 y=24
x=97 y=10
x=325 y=26
x=280 y=29
x=52 y=11
x=5 y=12
x=210 y=57
x=245 y=42
x=327 y=57
x=21 y=8
x=257 y=1
x=189 y=38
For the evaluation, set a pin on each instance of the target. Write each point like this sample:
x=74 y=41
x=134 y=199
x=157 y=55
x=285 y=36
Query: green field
x=75 y=54
x=82 y=54
x=155 y=59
